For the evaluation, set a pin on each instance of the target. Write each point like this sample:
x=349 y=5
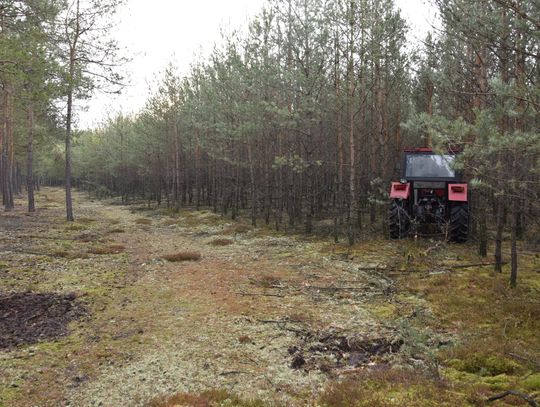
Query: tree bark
x=69 y=115
x=30 y=158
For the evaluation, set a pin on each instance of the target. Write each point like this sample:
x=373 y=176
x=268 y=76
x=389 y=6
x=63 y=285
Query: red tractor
x=430 y=191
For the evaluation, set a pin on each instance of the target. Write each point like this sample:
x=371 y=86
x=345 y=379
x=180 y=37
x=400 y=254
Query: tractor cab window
x=429 y=166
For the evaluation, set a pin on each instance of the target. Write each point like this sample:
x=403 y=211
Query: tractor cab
x=428 y=165
x=430 y=191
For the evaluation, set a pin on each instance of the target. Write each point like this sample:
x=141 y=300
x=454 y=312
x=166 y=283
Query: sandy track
x=226 y=321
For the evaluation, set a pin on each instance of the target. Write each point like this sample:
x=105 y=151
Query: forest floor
x=130 y=306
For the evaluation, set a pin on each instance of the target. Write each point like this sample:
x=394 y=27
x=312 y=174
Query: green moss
x=9 y=393
x=496 y=365
x=499 y=382
x=382 y=311
x=457 y=375
x=456 y=364
x=491 y=365
x=532 y=382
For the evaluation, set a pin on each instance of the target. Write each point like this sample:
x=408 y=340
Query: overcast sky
x=161 y=31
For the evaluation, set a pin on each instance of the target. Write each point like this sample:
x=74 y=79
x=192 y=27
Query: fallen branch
x=281 y=325
x=278 y=321
x=524 y=396
x=371 y=268
x=26 y=252
x=524 y=359
x=464 y=266
x=432 y=248
x=260 y=294
x=232 y=372
x=314 y=287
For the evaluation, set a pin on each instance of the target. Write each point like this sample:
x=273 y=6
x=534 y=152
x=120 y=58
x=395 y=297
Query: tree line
x=296 y=120
x=52 y=53
x=302 y=117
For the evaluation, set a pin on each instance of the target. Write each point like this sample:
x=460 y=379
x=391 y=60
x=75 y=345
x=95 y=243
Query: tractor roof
x=451 y=150
x=418 y=150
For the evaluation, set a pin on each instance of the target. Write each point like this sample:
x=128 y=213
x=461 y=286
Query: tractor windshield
x=429 y=166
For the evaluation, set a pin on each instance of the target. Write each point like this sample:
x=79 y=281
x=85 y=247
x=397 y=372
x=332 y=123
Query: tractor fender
x=400 y=191
x=457 y=192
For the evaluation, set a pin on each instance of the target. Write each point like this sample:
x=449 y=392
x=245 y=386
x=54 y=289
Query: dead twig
x=281 y=325
x=260 y=294
x=330 y=288
x=524 y=359
x=432 y=248
x=371 y=268
x=506 y=393
x=464 y=266
x=232 y=372
x=27 y=252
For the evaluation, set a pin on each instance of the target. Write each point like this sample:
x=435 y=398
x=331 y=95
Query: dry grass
x=117 y=230
x=111 y=249
x=143 y=221
x=221 y=242
x=88 y=237
x=266 y=281
x=210 y=398
x=75 y=227
x=70 y=254
x=237 y=228
x=183 y=256
x=85 y=220
x=170 y=222
x=384 y=387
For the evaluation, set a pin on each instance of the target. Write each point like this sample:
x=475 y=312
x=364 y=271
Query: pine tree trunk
x=69 y=115
x=8 y=156
x=513 y=251
x=30 y=159
x=498 y=236
x=352 y=147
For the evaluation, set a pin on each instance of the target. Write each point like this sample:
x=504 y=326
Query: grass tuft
x=70 y=255
x=221 y=242
x=112 y=249
x=183 y=256
x=208 y=398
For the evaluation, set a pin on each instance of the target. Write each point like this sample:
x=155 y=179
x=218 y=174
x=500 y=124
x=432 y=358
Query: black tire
x=399 y=221
x=459 y=223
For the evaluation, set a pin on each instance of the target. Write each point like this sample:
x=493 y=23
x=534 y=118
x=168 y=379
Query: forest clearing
x=333 y=203
x=261 y=318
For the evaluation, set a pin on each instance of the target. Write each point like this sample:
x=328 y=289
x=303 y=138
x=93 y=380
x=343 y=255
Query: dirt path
x=239 y=318
x=259 y=314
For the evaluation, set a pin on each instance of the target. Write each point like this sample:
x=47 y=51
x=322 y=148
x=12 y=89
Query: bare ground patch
x=27 y=318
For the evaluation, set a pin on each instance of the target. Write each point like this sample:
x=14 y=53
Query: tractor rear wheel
x=459 y=223
x=399 y=221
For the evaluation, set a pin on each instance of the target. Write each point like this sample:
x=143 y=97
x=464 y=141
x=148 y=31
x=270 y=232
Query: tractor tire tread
x=459 y=223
